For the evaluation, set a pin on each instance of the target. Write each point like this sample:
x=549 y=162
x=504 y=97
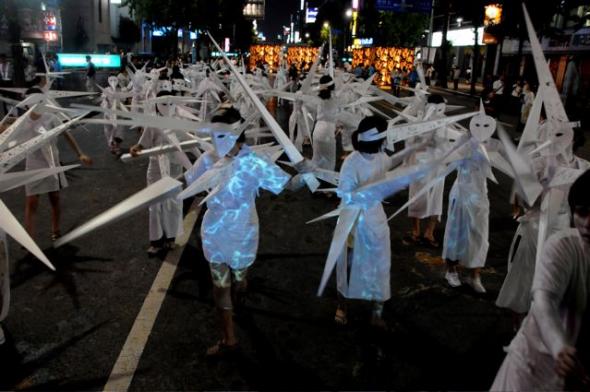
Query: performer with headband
x=324 y=133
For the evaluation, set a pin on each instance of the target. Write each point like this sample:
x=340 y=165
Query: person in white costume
x=165 y=218
x=363 y=271
x=112 y=132
x=45 y=157
x=430 y=205
x=230 y=228
x=550 y=350
x=324 y=133
x=466 y=232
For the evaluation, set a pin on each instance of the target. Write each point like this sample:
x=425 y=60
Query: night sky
x=276 y=16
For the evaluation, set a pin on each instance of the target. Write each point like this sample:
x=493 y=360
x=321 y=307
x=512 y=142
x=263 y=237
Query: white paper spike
x=159 y=191
x=10 y=181
x=346 y=221
x=331 y=214
x=531 y=128
x=12 y=227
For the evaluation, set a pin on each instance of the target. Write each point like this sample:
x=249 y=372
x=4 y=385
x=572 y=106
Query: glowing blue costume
x=370 y=259
x=230 y=225
x=466 y=232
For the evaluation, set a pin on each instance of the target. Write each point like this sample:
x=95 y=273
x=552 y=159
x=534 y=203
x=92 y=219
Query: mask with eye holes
x=561 y=137
x=166 y=109
x=224 y=138
x=482 y=127
x=178 y=84
x=165 y=85
x=113 y=82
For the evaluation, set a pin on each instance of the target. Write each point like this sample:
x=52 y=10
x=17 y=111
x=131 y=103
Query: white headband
x=371 y=135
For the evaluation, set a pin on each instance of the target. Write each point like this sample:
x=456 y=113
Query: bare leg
x=224 y=304
x=31 y=204
x=55 y=213
x=430 y=226
x=416 y=228
x=341 y=311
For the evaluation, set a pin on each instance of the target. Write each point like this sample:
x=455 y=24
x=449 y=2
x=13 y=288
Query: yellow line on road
x=126 y=365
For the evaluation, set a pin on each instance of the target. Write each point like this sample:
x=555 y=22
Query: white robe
x=324 y=135
x=369 y=261
x=563 y=273
x=230 y=226
x=165 y=218
x=110 y=130
x=44 y=157
x=466 y=232
x=431 y=203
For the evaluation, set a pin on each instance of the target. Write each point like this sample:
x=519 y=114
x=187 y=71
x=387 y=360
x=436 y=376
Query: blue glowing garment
x=230 y=225
x=466 y=232
x=369 y=260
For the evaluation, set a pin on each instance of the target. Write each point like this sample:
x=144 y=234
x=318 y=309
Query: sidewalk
x=463 y=89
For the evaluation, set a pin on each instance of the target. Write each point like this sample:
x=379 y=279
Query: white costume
x=4 y=277
x=324 y=135
x=560 y=291
x=44 y=157
x=165 y=218
x=369 y=262
x=466 y=232
x=230 y=226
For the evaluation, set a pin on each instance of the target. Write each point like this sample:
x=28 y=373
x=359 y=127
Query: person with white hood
x=324 y=133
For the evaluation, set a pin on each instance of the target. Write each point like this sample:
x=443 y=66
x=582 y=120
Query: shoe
x=153 y=250
x=476 y=285
x=453 y=279
x=221 y=350
x=2 y=336
x=428 y=243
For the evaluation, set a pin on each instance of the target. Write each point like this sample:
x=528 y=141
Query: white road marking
x=126 y=365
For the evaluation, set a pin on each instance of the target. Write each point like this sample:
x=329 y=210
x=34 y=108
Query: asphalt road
x=66 y=329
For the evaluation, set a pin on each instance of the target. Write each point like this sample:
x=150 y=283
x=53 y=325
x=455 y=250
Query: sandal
x=410 y=239
x=153 y=251
x=55 y=236
x=220 y=349
x=340 y=317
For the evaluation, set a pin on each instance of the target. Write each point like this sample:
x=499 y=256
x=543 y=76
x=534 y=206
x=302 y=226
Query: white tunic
x=364 y=274
x=563 y=273
x=324 y=135
x=230 y=226
x=110 y=130
x=165 y=219
x=466 y=232
x=44 y=157
x=431 y=203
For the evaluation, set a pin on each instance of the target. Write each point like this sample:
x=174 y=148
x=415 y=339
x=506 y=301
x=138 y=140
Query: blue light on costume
x=230 y=225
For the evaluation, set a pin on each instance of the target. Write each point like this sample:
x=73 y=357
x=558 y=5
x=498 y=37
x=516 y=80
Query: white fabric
x=370 y=259
x=560 y=290
x=6 y=71
x=165 y=218
x=45 y=157
x=324 y=145
x=431 y=203
x=466 y=232
x=498 y=87
x=230 y=226
x=4 y=277
x=201 y=165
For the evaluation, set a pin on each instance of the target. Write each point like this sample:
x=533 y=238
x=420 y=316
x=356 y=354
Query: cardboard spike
x=9 y=181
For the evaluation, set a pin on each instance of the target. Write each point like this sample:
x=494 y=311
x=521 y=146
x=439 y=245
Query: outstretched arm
x=85 y=159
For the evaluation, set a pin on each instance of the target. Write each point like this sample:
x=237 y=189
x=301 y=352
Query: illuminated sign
x=493 y=14
x=254 y=9
x=79 y=60
x=311 y=15
x=422 y=6
x=50 y=36
x=461 y=37
x=360 y=42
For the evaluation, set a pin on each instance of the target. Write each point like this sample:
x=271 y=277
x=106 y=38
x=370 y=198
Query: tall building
x=254 y=9
x=87 y=25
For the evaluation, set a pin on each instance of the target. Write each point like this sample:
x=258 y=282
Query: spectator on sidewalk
x=456 y=76
x=90 y=75
x=498 y=94
x=527 y=98
x=6 y=71
x=429 y=75
x=396 y=78
x=413 y=77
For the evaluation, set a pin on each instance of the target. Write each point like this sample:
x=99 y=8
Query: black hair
x=229 y=116
x=578 y=194
x=366 y=124
x=33 y=90
x=326 y=93
x=435 y=98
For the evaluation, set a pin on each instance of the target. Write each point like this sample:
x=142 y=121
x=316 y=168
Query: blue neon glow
x=79 y=60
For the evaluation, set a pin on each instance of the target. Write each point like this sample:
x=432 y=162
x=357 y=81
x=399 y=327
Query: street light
x=306 y=35
x=326 y=25
x=459 y=21
x=349 y=13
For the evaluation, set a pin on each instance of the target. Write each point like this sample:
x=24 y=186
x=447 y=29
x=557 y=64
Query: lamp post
x=348 y=15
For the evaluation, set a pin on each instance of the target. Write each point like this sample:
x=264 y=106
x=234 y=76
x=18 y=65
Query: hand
x=85 y=159
x=516 y=211
x=567 y=363
x=305 y=166
x=134 y=150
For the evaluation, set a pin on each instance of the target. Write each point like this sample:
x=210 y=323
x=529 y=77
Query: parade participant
x=430 y=205
x=549 y=350
x=111 y=100
x=466 y=231
x=165 y=218
x=364 y=272
x=230 y=227
x=324 y=133
x=45 y=157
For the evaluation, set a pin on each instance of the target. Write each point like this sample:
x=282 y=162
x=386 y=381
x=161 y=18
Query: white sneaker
x=2 y=337
x=476 y=285
x=453 y=279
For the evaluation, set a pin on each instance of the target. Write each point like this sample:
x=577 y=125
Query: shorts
x=222 y=275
